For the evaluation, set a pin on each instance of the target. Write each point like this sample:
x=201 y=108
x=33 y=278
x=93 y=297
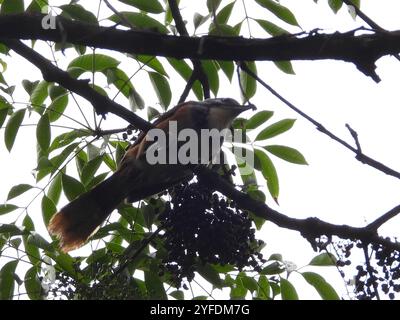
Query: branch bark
x=362 y=50
x=51 y=73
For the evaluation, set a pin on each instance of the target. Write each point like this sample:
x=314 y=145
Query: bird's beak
x=239 y=108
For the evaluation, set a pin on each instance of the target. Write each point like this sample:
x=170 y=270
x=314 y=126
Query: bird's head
x=222 y=111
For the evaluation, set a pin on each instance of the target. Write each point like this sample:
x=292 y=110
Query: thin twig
x=359 y=156
x=198 y=70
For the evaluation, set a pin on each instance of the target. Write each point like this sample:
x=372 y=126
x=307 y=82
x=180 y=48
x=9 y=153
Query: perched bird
x=135 y=177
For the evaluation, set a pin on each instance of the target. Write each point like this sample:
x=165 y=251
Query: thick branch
x=310 y=228
x=362 y=50
x=51 y=73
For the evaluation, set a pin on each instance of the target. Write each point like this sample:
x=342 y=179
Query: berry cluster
x=202 y=227
x=379 y=274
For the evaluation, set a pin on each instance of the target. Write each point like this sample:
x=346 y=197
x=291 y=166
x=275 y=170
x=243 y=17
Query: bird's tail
x=79 y=219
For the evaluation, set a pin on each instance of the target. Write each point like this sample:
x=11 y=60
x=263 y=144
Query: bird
x=136 y=178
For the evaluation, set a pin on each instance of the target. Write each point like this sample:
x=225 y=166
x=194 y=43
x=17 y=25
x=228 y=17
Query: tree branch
x=362 y=50
x=359 y=155
x=51 y=73
x=310 y=228
x=198 y=70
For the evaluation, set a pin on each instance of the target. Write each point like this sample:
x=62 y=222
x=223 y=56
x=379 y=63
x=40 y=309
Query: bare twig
x=354 y=134
x=119 y=15
x=359 y=156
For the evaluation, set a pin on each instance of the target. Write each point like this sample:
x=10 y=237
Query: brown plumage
x=135 y=179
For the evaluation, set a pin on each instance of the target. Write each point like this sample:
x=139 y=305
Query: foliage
x=74 y=156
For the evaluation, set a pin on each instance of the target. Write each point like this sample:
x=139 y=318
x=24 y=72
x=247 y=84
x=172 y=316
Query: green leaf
x=151 y=6
x=210 y=274
x=279 y=10
x=258 y=119
x=225 y=13
x=33 y=285
x=120 y=80
x=151 y=114
x=11 y=229
x=248 y=83
x=177 y=294
x=264 y=288
x=135 y=100
x=269 y=172
x=64 y=261
x=6 y=208
x=38 y=96
x=12 y=6
x=185 y=72
x=324 y=289
x=43 y=132
x=31 y=250
x=153 y=63
x=335 y=5
x=57 y=107
x=276 y=257
x=228 y=68
x=55 y=189
x=55 y=91
x=90 y=169
x=72 y=187
x=37 y=6
x=12 y=127
x=141 y=21
x=288 y=291
x=66 y=138
x=323 y=259
x=275 y=129
x=273 y=268
x=155 y=287
x=3 y=114
x=58 y=160
x=285 y=66
x=48 y=209
x=7 y=282
x=162 y=88
x=212 y=75
x=286 y=153
x=91 y=63
x=238 y=290
x=249 y=283
x=199 y=19
x=213 y=4
x=38 y=241
x=18 y=190
x=29 y=85
x=271 y=28
x=77 y=12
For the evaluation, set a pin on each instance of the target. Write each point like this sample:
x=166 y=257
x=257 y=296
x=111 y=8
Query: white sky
x=334 y=187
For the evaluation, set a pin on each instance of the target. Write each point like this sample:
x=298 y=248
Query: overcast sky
x=334 y=187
